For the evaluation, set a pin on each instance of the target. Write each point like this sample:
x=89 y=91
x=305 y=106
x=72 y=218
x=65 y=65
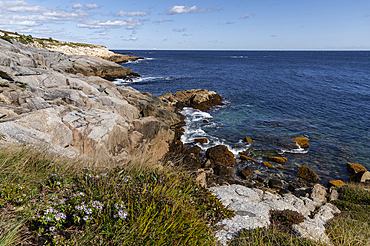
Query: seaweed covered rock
x=336 y=183
x=354 y=168
x=201 y=140
x=307 y=173
x=221 y=159
x=277 y=159
x=302 y=142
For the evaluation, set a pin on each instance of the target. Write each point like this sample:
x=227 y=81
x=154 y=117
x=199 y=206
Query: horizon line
x=243 y=49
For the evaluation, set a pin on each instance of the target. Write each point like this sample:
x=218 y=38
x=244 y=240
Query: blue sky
x=233 y=24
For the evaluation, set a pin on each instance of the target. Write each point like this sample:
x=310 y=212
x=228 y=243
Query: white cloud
x=247 y=16
x=19 y=13
x=131 y=39
x=92 y=6
x=77 y=6
x=179 y=9
x=137 y=13
x=20 y=6
x=179 y=30
x=129 y=23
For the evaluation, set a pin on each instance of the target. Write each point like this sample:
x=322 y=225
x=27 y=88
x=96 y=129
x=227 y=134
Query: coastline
x=78 y=111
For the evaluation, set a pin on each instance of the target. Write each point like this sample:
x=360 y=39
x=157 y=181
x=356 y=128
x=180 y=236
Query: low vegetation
x=10 y=36
x=51 y=200
x=352 y=226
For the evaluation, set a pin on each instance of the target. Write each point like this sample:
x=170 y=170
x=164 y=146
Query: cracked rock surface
x=252 y=207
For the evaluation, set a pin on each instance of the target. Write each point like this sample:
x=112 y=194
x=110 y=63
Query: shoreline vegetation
x=84 y=162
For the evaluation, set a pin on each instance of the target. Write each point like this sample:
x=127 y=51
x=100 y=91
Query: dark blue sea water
x=272 y=96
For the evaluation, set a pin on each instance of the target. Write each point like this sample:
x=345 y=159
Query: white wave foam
x=238 y=57
x=138 y=80
x=195 y=128
x=293 y=151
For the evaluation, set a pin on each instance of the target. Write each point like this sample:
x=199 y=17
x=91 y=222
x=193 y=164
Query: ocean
x=272 y=96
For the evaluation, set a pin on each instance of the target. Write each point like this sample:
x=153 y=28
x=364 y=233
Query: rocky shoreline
x=68 y=104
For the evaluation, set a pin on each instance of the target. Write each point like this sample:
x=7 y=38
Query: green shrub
x=40 y=42
x=29 y=39
x=6 y=38
x=284 y=219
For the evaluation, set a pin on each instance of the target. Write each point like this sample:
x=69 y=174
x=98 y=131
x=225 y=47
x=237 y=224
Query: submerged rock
x=277 y=159
x=307 y=173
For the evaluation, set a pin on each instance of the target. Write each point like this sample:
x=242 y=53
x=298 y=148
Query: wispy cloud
x=179 y=30
x=179 y=9
x=229 y=23
x=366 y=15
x=162 y=20
x=137 y=13
x=247 y=16
x=129 y=23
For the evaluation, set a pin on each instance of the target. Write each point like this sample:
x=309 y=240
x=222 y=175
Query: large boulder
x=354 y=168
x=222 y=160
x=360 y=177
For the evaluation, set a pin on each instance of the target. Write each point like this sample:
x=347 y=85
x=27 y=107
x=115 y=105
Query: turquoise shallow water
x=272 y=96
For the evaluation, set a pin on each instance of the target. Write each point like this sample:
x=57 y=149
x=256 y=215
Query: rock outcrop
x=252 y=207
x=56 y=100
x=196 y=98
